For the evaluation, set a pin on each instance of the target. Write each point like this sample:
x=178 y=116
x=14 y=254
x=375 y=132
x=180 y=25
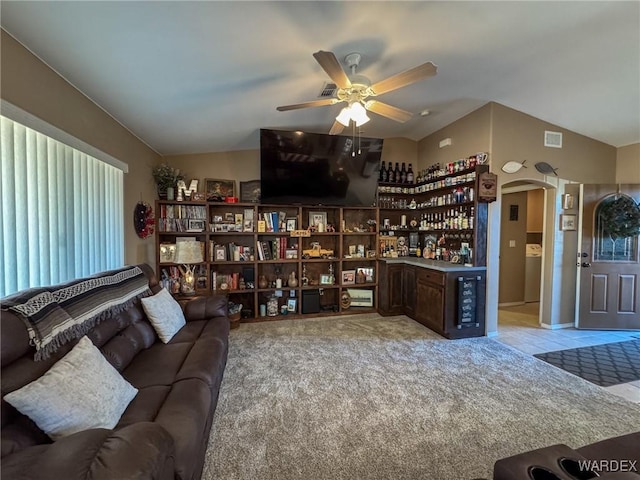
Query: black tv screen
x=318 y=169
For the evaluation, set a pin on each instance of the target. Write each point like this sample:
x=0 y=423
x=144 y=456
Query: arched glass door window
x=606 y=248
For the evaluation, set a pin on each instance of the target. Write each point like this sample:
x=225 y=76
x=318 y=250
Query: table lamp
x=188 y=253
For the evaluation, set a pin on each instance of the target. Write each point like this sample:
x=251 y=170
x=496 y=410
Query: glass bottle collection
x=448 y=214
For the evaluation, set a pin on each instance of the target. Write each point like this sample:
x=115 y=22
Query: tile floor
x=518 y=327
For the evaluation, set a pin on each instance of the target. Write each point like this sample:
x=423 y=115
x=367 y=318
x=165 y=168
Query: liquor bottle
x=383 y=170
x=391 y=176
x=396 y=173
x=403 y=174
x=410 y=178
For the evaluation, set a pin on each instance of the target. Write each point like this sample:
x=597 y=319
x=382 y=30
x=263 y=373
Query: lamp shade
x=188 y=252
x=344 y=117
x=359 y=114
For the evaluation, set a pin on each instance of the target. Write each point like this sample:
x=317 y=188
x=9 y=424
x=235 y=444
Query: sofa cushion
x=164 y=313
x=80 y=391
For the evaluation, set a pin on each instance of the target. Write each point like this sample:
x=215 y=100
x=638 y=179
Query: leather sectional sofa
x=616 y=458
x=163 y=432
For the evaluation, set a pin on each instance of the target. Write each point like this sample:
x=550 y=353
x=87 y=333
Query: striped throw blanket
x=58 y=314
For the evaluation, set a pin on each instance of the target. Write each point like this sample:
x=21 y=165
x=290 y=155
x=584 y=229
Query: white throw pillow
x=164 y=313
x=80 y=391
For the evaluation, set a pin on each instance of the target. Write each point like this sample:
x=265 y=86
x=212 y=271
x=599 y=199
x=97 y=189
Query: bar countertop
x=433 y=264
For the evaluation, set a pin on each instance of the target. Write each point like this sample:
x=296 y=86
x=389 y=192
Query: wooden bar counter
x=447 y=298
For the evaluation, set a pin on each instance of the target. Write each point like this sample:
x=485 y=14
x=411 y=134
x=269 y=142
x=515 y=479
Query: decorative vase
x=170 y=193
x=162 y=192
x=262 y=282
x=292 y=281
x=272 y=307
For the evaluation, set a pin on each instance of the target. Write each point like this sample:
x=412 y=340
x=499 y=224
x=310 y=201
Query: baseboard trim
x=510 y=304
x=556 y=326
x=492 y=334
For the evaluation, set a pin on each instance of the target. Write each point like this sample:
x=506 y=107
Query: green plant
x=166 y=176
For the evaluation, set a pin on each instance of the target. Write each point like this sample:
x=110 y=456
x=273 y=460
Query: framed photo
x=195 y=225
x=361 y=297
x=291 y=224
x=217 y=190
x=250 y=191
x=220 y=253
x=348 y=277
x=167 y=252
x=229 y=217
x=325 y=279
x=371 y=254
x=567 y=201
x=568 y=222
x=291 y=304
x=198 y=196
x=317 y=218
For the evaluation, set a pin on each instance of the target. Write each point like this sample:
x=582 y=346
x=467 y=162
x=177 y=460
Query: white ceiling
x=189 y=77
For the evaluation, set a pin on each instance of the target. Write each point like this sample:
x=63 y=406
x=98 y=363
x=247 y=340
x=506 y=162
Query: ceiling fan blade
x=403 y=79
x=336 y=128
x=314 y=103
x=386 y=110
x=330 y=64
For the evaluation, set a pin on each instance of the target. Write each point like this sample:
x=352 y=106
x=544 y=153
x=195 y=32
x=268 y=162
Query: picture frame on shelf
x=371 y=254
x=292 y=304
x=219 y=253
x=167 y=252
x=348 y=277
x=361 y=297
x=291 y=224
x=218 y=190
x=325 y=279
x=196 y=225
x=198 y=196
x=250 y=191
x=317 y=218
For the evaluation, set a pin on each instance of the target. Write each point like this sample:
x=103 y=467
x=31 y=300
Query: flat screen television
x=318 y=169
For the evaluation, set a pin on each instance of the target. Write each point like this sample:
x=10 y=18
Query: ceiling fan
x=358 y=92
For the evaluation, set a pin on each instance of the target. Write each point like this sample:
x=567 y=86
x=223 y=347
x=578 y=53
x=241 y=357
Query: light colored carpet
x=366 y=397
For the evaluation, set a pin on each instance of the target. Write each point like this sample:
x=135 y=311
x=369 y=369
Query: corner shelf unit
x=238 y=254
x=446 y=212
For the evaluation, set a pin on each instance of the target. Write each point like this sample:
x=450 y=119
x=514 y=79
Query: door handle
x=586 y=264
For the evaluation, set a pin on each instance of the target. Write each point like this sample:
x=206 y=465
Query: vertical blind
x=62 y=211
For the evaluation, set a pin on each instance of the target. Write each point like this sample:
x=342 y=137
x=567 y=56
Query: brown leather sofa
x=164 y=431
x=616 y=458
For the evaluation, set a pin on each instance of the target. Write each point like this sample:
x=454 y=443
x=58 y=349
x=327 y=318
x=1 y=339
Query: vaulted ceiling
x=190 y=77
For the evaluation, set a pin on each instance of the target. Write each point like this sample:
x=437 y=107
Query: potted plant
x=165 y=177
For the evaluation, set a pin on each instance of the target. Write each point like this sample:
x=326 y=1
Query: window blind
x=62 y=211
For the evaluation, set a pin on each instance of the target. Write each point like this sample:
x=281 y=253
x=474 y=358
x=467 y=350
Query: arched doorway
x=522 y=232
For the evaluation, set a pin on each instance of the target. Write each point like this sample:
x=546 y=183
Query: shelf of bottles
x=437 y=212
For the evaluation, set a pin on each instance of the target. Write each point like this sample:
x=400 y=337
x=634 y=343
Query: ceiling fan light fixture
x=359 y=114
x=344 y=117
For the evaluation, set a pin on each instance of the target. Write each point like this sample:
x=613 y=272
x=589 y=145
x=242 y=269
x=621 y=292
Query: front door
x=608 y=266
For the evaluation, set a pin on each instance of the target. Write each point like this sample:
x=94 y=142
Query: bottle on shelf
x=410 y=178
x=396 y=172
x=391 y=175
x=382 y=174
x=403 y=173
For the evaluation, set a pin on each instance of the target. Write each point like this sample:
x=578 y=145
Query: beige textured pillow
x=80 y=391
x=164 y=313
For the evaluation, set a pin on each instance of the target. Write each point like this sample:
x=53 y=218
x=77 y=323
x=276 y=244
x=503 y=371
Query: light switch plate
x=512 y=243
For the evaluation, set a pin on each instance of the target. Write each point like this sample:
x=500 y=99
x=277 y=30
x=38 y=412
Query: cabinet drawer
x=432 y=276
